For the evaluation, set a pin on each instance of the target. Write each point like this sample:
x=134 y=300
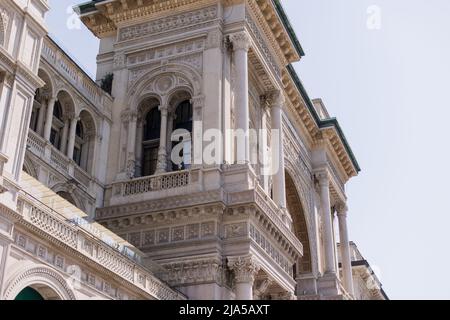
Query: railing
x=71 y=234
x=82 y=176
x=272 y=211
x=89 y=89
x=53 y=226
x=59 y=160
x=36 y=143
x=155 y=183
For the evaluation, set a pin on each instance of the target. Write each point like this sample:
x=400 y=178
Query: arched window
x=79 y=142
x=37 y=104
x=58 y=124
x=183 y=121
x=57 y=110
x=150 y=144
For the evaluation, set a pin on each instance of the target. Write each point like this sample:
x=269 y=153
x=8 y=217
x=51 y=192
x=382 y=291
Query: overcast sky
x=382 y=68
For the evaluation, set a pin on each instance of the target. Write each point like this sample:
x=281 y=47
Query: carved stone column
x=139 y=146
x=276 y=100
x=345 y=249
x=245 y=270
x=324 y=183
x=161 y=166
x=131 y=147
x=198 y=103
x=49 y=118
x=41 y=119
x=241 y=45
x=73 y=128
x=65 y=134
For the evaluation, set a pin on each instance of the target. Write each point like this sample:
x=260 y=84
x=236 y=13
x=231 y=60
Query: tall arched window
x=150 y=143
x=58 y=124
x=37 y=104
x=183 y=121
x=79 y=142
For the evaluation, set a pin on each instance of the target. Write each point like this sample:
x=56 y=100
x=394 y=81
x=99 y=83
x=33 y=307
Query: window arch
x=152 y=125
x=57 y=125
x=150 y=137
x=79 y=144
x=183 y=120
x=84 y=148
x=296 y=209
x=40 y=103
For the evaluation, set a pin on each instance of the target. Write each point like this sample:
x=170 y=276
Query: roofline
x=331 y=122
x=89 y=6
x=287 y=25
x=366 y=263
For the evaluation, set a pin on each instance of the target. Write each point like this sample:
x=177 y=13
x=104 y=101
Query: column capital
x=241 y=41
x=74 y=118
x=129 y=115
x=275 y=98
x=342 y=209
x=323 y=177
x=245 y=268
x=198 y=101
x=164 y=109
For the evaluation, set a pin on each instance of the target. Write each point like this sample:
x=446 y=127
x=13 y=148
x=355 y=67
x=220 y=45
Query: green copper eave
x=327 y=123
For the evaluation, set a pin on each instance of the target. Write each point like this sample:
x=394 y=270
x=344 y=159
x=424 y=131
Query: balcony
x=158 y=186
x=58 y=161
x=62 y=223
x=75 y=75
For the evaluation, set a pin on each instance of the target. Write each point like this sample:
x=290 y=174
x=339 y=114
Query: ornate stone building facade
x=103 y=151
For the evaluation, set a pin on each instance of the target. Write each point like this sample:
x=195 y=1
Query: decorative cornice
x=302 y=106
x=104 y=17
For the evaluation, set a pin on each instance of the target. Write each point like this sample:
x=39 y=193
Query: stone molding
x=241 y=41
x=173 y=22
x=34 y=274
x=244 y=268
x=194 y=272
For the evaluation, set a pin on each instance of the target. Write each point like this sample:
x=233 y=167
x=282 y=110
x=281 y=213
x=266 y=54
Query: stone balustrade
x=73 y=73
x=271 y=210
x=154 y=187
x=60 y=229
x=56 y=159
x=155 y=183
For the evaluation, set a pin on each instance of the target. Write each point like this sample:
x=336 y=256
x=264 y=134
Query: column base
x=328 y=285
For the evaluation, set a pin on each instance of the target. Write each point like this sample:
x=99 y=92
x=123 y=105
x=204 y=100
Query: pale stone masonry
x=262 y=221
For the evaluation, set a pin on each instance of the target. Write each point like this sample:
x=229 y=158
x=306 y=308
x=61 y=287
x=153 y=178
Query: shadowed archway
x=296 y=209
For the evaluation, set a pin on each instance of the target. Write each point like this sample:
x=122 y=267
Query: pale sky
x=390 y=90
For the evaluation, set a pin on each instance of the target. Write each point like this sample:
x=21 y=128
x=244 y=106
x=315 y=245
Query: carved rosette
x=245 y=269
x=240 y=41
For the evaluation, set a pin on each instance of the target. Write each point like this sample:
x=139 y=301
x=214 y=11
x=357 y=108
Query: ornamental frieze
x=180 y=21
x=175 y=234
x=262 y=44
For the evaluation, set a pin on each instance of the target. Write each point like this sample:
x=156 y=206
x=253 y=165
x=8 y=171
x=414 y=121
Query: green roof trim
x=87 y=7
x=283 y=17
x=327 y=123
